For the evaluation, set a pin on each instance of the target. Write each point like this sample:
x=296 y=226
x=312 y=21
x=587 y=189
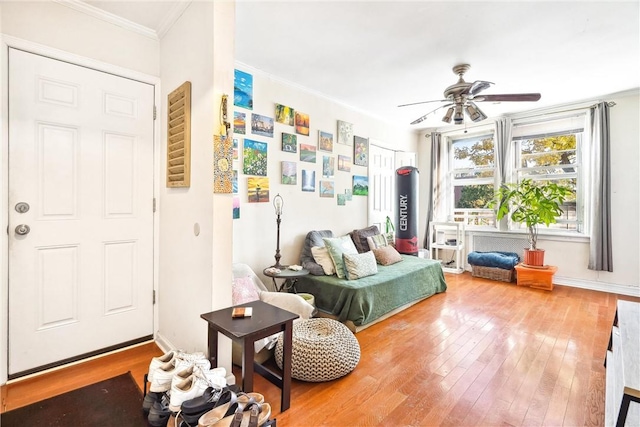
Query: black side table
x=289 y=276
x=266 y=320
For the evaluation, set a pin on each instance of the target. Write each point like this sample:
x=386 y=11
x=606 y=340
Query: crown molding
x=176 y=12
x=103 y=15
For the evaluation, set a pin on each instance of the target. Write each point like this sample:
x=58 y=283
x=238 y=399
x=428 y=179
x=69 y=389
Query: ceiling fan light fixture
x=458 y=117
x=475 y=114
x=447 y=117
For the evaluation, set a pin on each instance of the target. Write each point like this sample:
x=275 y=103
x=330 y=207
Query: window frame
x=466 y=215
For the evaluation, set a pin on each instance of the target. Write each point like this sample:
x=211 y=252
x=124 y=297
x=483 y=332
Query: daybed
x=361 y=302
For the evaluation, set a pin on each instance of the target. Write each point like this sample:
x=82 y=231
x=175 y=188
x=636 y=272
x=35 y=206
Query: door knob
x=22 y=229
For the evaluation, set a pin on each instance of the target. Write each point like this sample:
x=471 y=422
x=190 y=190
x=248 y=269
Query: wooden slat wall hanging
x=179 y=137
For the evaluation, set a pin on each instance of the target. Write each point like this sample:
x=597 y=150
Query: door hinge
x=154 y=204
x=154 y=297
x=155 y=113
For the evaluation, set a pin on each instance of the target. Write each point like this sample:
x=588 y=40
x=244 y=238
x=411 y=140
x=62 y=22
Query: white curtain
x=503 y=151
x=434 y=193
x=600 y=253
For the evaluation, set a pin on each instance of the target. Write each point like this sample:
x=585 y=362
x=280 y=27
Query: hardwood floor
x=483 y=353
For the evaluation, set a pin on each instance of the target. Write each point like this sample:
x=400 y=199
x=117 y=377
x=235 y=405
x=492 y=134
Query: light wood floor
x=484 y=353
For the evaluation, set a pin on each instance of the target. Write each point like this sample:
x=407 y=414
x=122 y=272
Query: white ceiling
x=374 y=55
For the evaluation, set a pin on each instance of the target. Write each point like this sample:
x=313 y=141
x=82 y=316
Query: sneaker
x=161 y=360
x=162 y=378
x=189 y=360
x=192 y=387
x=216 y=377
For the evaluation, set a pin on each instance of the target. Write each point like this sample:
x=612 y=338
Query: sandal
x=254 y=415
x=228 y=403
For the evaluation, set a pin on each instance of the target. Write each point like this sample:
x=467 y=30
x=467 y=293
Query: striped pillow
x=377 y=241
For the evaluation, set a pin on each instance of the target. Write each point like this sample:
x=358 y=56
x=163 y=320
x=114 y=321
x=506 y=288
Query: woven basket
x=493 y=273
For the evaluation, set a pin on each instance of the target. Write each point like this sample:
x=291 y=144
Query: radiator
x=486 y=243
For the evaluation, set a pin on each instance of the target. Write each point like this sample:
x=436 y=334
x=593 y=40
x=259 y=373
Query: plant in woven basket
x=532 y=204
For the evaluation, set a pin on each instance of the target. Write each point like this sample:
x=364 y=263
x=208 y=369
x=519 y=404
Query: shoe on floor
x=159 y=413
x=160 y=360
x=190 y=388
x=162 y=378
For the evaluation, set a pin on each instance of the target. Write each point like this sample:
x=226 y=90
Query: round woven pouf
x=323 y=350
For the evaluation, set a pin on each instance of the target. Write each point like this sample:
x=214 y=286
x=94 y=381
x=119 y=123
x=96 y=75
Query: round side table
x=289 y=278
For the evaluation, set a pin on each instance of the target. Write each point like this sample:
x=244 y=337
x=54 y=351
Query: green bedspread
x=364 y=300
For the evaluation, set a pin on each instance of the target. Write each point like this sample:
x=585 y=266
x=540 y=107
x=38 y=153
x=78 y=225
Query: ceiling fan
x=462 y=96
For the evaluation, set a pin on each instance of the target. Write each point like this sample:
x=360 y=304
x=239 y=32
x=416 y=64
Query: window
x=472 y=166
x=551 y=148
x=552 y=151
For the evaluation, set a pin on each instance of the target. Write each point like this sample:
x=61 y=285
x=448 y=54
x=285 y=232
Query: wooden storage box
x=493 y=273
x=541 y=278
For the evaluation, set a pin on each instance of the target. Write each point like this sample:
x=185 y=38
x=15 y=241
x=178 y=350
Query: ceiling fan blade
x=478 y=86
x=423 y=118
x=508 y=97
x=423 y=102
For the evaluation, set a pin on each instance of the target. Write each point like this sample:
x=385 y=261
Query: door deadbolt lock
x=22 y=207
x=22 y=229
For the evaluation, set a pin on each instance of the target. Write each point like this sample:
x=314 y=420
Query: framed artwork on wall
x=302 y=123
x=239 y=122
x=360 y=185
x=326 y=189
x=308 y=180
x=345 y=132
x=342 y=201
x=289 y=142
x=284 y=114
x=328 y=166
x=236 y=207
x=360 y=151
x=257 y=190
x=261 y=125
x=344 y=163
x=289 y=173
x=243 y=90
x=325 y=141
x=307 y=153
x=254 y=158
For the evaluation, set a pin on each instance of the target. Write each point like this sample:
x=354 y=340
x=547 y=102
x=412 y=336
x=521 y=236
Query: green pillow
x=336 y=247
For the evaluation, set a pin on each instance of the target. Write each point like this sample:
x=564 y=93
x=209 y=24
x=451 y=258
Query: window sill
x=559 y=236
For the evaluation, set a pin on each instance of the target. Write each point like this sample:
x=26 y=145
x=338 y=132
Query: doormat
x=113 y=402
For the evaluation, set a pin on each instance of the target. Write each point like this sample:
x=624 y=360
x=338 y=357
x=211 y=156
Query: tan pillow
x=387 y=255
x=322 y=257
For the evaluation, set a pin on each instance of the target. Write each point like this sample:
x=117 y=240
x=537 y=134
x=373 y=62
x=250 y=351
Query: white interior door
x=381 y=185
x=81 y=157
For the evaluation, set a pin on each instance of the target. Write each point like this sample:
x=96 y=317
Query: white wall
x=57 y=26
x=195 y=274
x=254 y=233
x=572 y=257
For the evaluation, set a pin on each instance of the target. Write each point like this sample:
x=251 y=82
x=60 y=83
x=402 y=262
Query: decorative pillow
x=314 y=238
x=359 y=237
x=322 y=257
x=387 y=255
x=377 y=241
x=244 y=291
x=391 y=239
x=360 y=265
x=338 y=246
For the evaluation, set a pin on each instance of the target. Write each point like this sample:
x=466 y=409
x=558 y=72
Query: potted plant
x=532 y=204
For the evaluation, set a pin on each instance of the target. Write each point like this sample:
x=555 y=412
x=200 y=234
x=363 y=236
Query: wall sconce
x=278 y=203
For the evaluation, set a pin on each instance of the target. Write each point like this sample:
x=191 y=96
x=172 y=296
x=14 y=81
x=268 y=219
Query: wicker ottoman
x=323 y=350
